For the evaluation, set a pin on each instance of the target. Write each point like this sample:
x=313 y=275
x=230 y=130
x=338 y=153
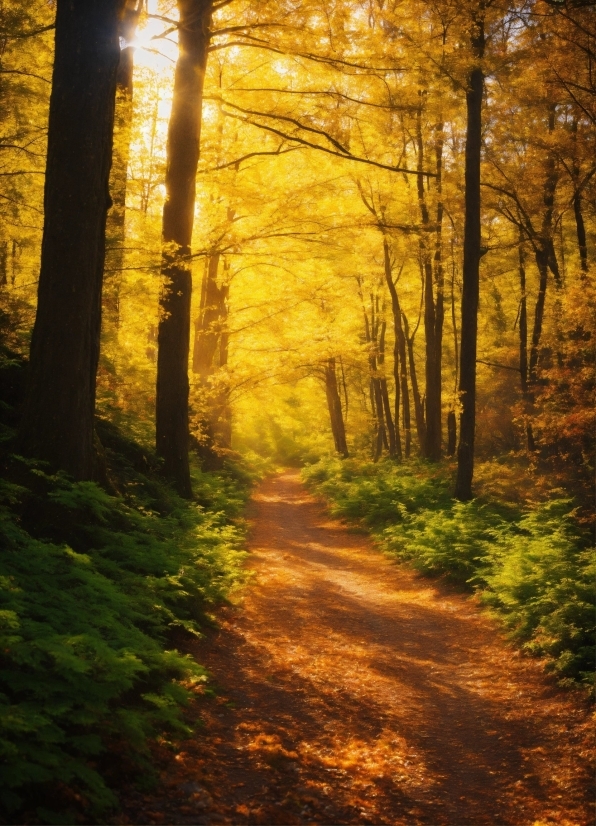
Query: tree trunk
x=401 y=379
x=544 y=252
x=550 y=185
x=376 y=399
x=451 y=417
x=451 y=433
x=389 y=426
x=433 y=312
x=523 y=346
x=172 y=431
x=3 y=263
x=57 y=424
x=210 y=354
x=581 y=233
x=418 y=405
x=381 y=436
x=471 y=271
x=580 y=227
x=335 y=412
x=542 y=264
x=434 y=443
x=115 y=230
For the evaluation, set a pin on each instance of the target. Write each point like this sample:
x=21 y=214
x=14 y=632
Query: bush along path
x=349 y=690
x=93 y=587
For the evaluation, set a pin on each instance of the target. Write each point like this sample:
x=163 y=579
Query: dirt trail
x=351 y=691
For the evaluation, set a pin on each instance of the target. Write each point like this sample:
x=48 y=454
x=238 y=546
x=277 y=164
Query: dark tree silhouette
x=184 y=135
x=471 y=269
x=57 y=424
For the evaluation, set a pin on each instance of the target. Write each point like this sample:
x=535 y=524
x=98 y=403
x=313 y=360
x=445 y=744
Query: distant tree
x=58 y=418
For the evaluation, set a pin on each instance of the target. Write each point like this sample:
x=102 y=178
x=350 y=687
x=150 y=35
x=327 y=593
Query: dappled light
x=297 y=411
x=351 y=691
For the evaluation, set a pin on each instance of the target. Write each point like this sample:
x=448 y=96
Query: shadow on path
x=353 y=691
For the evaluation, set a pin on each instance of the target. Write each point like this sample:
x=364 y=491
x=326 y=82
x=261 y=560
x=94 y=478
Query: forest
x=350 y=239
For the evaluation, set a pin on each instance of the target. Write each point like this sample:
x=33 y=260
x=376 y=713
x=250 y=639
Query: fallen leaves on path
x=351 y=691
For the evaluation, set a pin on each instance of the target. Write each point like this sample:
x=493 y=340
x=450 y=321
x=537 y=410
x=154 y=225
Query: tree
x=471 y=265
x=184 y=135
x=57 y=424
x=121 y=154
x=336 y=417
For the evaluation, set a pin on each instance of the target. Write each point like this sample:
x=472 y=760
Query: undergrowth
x=532 y=566
x=93 y=586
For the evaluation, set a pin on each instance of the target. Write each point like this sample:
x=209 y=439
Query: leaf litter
x=350 y=690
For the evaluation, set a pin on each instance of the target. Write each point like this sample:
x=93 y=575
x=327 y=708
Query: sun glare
x=155 y=44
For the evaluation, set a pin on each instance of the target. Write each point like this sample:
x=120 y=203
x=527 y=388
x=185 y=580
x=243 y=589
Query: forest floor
x=352 y=691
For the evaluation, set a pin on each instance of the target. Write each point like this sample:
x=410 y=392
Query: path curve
x=352 y=691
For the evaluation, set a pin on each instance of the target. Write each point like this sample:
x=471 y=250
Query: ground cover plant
x=92 y=586
x=532 y=565
x=277 y=230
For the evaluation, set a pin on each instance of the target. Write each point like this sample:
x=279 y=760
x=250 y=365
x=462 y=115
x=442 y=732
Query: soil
x=349 y=690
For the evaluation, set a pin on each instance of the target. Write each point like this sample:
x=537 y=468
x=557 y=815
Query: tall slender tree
x=336 y=417
x=119 y=174
x=471 y=265
x=184 y=136
x=57 y=424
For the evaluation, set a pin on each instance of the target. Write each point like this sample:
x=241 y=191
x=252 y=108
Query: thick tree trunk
x=335 y=411
x=471 y=272
x=172 y=431
x=115 y=230
x=57 y=424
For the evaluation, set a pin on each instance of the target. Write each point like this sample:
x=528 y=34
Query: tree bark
x=471 y=270
x=418 y=405
x=210 y=354
x=451 y=433
x=433 y=310
x=172 y=430
x=115 y=230
x=580 y=226
x=3 y=263
x=389 y=425
x=523 y=346
x=57 y=424
x=400 y=358
x=335 y=411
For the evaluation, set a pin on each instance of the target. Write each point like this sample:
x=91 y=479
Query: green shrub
x=540 y=576
x=533 y=568
x=91 y=584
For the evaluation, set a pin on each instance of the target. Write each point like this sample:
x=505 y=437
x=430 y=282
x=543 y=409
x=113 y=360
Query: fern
x=533 y=568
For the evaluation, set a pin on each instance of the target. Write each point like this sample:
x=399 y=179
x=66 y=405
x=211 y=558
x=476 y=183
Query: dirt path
x=353 y=692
